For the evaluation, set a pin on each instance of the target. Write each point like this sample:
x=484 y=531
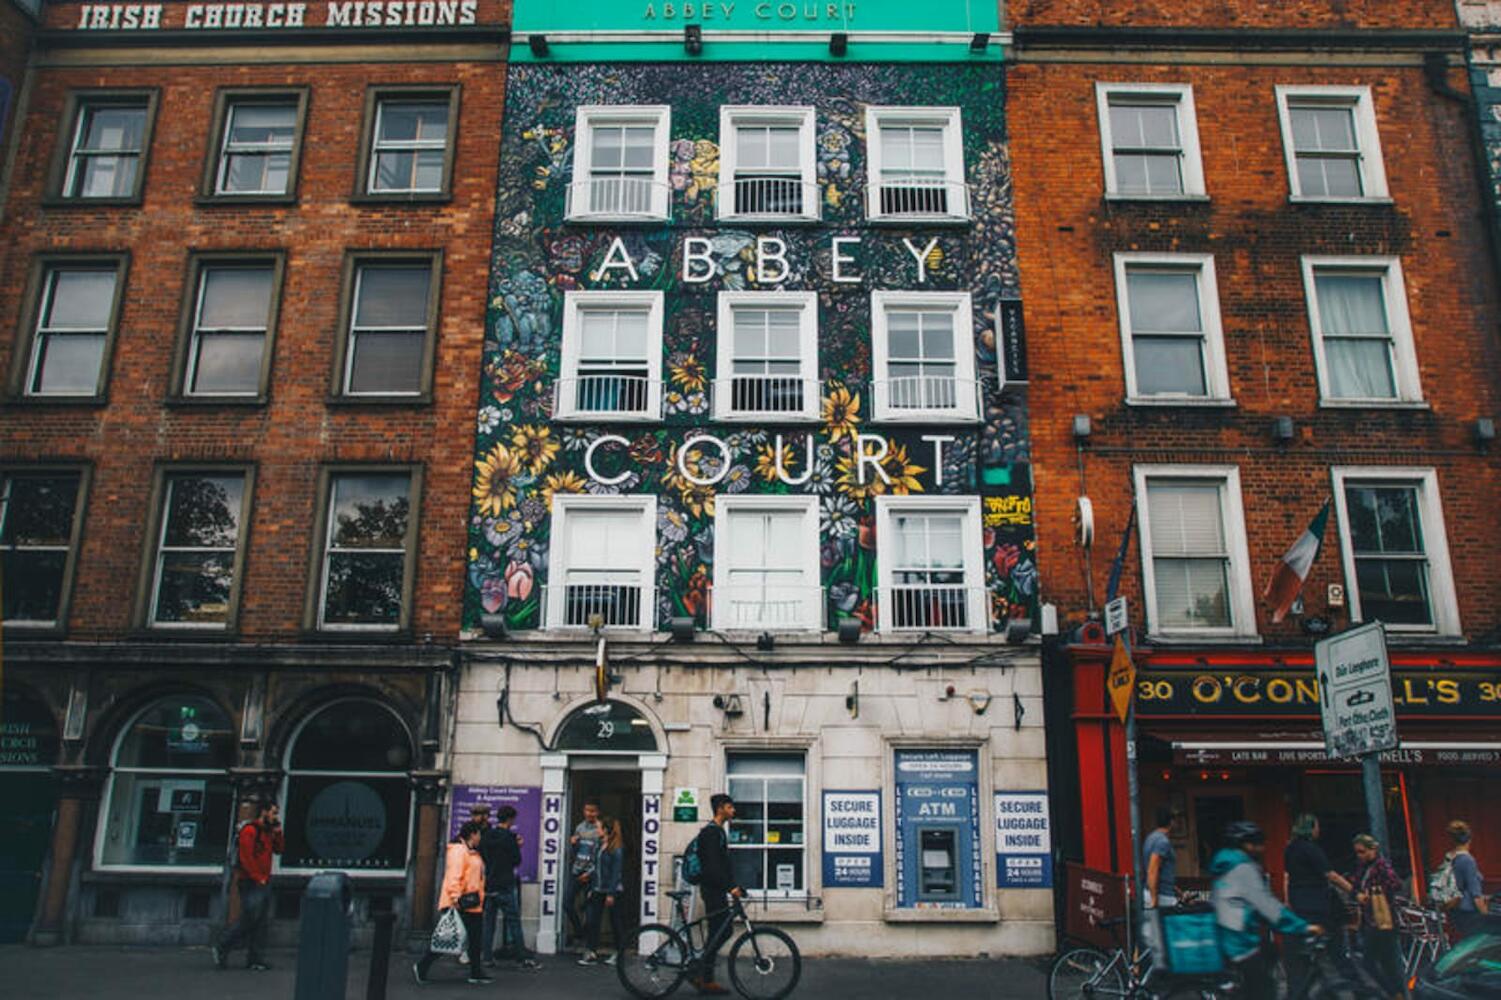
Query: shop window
x=1332 y=147
x=408 y=149
x=108 y=135
x=1194 y=555
x=767 y=358
x=1362 y=337
x=199 y=550
x=766 y=564
x=766 y=163
x=348 y=797
x=916 y=165
x=74 y=310
x=368 y=540
x=600 y=568
x=385 y=347
x=612 y=356
x=619 y=164
x=1150 y=138
x=767 y=836
x=928 y=564
x=1173 y=346
x=924 y=353
x=39 y=525
x=226 y=333
x=168 y=802
x=1396 y=553
x=938 y=849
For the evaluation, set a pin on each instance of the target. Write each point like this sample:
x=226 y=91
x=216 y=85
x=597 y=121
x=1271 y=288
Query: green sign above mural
x=734 y=30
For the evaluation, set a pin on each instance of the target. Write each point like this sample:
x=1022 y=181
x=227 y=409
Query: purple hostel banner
x=528 y=805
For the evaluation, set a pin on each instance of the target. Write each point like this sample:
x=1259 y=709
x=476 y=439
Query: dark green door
x=25 y=832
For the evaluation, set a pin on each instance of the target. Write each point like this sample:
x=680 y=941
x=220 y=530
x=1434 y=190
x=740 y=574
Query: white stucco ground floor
x=891 y=796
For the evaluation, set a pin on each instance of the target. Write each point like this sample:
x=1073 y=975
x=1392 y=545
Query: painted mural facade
x=524 y=459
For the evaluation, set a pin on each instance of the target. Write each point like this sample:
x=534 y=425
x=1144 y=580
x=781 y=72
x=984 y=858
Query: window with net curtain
x=169 y=802
x=1190 y=554
x=1356 y=333
x=767 y=836
x=388 y=329
x=349 y=798
x=1167 y=331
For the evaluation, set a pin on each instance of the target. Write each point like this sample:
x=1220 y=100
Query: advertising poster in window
x=1023 y=844
x=527 y=801
x=938 y=860
x=350 y=823
x=852 y=840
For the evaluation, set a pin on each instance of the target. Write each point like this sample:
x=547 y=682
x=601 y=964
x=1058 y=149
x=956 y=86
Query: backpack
x=1443 y=887
x=693 y=865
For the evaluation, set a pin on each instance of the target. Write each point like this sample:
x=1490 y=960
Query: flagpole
x=1133 y=782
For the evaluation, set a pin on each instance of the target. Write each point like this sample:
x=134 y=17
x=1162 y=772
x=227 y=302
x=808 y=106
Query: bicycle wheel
x=1084 y=973
x=652 y=962
x=764 y=964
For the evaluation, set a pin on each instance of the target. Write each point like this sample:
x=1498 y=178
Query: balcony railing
x=919 y=198
x=751 y=198
x=605 y=395
x=768 y=608
x=928 y=394
x=766 y=395
x=931 y=607
x=603 y=603
x=613 y=198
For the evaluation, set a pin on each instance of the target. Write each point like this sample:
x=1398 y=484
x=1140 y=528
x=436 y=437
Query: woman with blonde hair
x=606 y=892
x=1376 y=887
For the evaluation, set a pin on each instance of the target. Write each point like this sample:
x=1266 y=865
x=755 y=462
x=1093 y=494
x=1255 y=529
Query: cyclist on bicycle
x=1244 y=906
x=716 y=886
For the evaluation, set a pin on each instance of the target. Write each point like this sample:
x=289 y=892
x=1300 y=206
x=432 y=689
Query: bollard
x=323 y=938
x=380 y=956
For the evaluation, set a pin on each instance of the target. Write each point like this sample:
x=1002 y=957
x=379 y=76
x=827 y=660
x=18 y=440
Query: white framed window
x=1149 y=136
x=766 y=564
x=766 y=163
x=1195 y=562
x=1362 y=335
x=766 y=363
x=78 y=312
x=1332 y=147
x=620 y=163
x=916 y=165
x=601 y=566
x=1171 y=340
x=256 y=149
x=924 y=350
x=231 y=320
x=198 y=549
x=769 y=834
x=1395 y=549
x=929 y=574
x=612 y=356
x=409 y=145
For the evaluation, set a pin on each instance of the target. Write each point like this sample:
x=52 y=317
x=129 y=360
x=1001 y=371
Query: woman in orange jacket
x=464 y=891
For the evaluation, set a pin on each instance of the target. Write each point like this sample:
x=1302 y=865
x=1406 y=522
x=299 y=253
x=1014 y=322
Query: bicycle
x=764 y=962
x=1091 y=973
x=1424 y=940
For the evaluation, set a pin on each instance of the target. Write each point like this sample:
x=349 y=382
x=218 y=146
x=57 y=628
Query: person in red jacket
x=256 y=843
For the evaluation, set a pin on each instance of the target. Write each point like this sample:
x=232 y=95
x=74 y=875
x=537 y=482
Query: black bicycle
x=653 y=962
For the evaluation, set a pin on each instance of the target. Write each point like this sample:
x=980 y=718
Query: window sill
x=200 y=402
x=768 y=220
x=981 y=915
x=1396 y=637
x=918 y=220
x=420 y=399
x=1374 y=404
x=1192 y=639
x=184 y=633
x=1197 y=199
x=926 y=417
x=1185 y=402
x=767 y=419
x=242 y=200
x=55 y=201
x=26 y=400
x=783 y=911
x=380 y=636
x=1299 y=199
x=24 y=631
x=414 y=198
x=605 y=418
x=153 y=875
x=615 y=220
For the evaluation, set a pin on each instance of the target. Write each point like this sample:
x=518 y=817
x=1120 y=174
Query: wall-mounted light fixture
x=1485 y=431
x=850 y=629
x=681 y=628
x=693 y=40
x=1282 y=429
x=494 y=626
x=978 y=43
x=538 y=45
x=1082 y=426
x=766 y=642
x=839 y=43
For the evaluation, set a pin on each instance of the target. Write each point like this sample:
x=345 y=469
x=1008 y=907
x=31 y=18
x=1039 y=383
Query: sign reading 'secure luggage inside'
x=852 y=855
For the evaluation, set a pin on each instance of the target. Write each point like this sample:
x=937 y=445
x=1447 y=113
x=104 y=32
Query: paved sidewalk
x=94 y=973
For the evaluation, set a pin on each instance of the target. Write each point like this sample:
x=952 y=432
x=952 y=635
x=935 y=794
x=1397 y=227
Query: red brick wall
x=1285 y=14
x=16 y=29
x=1067 y=234
x=296 y=430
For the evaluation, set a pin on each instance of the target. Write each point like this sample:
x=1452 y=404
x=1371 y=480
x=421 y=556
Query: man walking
x=255 y=845
x=501 y=849
x=716 y=885
x=584 y=848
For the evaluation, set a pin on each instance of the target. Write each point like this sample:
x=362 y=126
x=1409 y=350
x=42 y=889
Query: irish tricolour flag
x=1287 y=579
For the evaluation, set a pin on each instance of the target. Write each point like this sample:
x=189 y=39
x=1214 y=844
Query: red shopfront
x=1227 y=735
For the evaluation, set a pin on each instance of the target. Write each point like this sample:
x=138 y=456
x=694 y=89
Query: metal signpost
x=1355 y=697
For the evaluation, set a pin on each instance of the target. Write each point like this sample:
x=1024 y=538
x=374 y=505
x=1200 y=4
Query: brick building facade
x=1256 y=279
x=243 y=296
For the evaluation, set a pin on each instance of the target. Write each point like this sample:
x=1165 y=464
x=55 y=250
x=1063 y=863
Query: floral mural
x=524 y=459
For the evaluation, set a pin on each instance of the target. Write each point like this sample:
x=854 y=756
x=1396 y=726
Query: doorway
x=25 y=836
x=617 y=789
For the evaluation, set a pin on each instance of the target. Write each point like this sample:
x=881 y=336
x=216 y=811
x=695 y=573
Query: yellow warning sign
x=1121 y=681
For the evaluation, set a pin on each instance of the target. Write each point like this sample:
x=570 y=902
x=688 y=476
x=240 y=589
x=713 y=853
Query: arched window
x=605 y=726
x=169 y=800
x=349 y=802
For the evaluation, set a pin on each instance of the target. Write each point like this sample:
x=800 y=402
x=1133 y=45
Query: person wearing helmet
x=1243 y=906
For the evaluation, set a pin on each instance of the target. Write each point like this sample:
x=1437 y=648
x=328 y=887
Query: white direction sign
x=1116 y=619
x=1355 y=692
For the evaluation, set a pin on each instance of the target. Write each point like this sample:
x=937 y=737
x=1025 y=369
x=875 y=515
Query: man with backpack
x=255 y=845
x=1457 y=887
x=707 y=864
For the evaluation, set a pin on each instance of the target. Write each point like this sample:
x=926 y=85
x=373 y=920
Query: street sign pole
x=1133 y=798
x=1375 y=799
x=1360 y=720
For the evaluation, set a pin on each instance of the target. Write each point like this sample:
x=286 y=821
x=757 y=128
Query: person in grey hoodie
x=1243 y=906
